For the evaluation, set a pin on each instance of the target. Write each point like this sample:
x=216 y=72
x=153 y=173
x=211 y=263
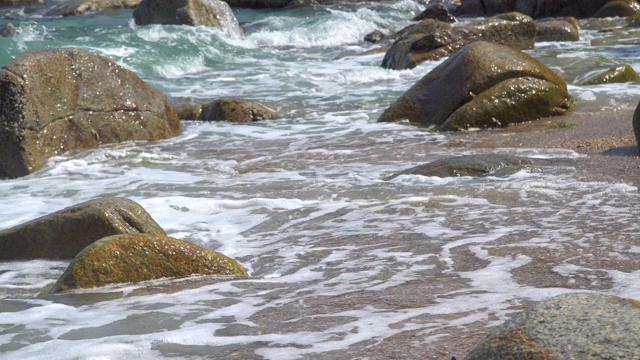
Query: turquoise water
x=343 y=263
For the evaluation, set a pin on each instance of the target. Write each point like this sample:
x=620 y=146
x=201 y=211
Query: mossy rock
x=573 y=326
x=557 y=30
x=133 y=258
x=622 y=73
x=618 y=8
x=63 y=234
x=482 y=85
x=471 y=165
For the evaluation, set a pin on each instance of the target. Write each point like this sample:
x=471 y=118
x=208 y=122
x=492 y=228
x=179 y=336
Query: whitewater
x=343 y=264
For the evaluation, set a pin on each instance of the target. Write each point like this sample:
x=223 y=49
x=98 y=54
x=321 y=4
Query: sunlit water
x=343 y=263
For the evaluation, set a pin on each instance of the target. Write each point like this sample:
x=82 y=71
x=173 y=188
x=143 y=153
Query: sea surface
x=344 y=264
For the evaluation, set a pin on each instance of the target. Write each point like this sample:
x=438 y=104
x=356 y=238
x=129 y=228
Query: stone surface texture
x=132 y=258
x=63 y=234
x=79 y=7
x=579 y=326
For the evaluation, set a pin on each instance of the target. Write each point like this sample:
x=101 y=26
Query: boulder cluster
x=484 y=81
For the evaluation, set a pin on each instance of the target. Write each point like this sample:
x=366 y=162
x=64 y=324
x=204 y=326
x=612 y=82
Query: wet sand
x=606 y=140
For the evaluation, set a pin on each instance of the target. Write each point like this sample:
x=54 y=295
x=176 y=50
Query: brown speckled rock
x=139 y=257
x=568 y=327
x=63 y=234
x=56 y=100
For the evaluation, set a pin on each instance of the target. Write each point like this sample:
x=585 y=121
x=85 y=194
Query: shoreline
x=605 y=139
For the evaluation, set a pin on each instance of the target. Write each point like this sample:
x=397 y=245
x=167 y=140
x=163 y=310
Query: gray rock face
x=482 y=85
x=63 y=234
x=556 y=30
x=79 y=7
x=471 y=165
x=95 y=102
x=548 y=8
x=568 y=327
x=433 y=40
x=212 y=13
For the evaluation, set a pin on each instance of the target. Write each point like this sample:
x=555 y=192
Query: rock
x=547 y=8
x=433 y=40
x=482 y=85
x=96 y=102
x=20 y=3
x=572 y=326
x=189 y=112
x=132 y=258
x=618 y=74
x=8 y=30
x=259 y=4
x=212 y=13
x=63 y=234
x=79 y=7
x=436 y=11
x=636 y=125
x=374 y=36
x=470 y=165
x=618 y=8
x=556 y=30
x=235 y=110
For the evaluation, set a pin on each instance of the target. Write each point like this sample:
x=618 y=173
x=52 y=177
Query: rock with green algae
x=582 y=326
x=622 y=73
x=132 y=258
x=63 y=234
x=482 y=85
x=235 y=110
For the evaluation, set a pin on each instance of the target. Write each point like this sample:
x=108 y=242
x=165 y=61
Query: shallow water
x=343 y=263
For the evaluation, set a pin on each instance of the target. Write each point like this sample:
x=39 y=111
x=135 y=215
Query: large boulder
x=482 y=85
x=622 y=73
x=433 y=40
x=471 y=165
x=557 y=29
x=548 y=8
x=79 y=7
x=572 y=326
x=133 y=258
x=56 y=100
x=63 y=234
x=211 y=13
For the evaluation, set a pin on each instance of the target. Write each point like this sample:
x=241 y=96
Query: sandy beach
x=605 y=139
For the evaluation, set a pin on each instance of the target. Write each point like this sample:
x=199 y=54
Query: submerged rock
x=622 y=73
x=374 y=37
x=212 y=13
x=572 y=326
x=470 y=165
x=63 y=234
x=79 y=7
x=236 y=110
x=556 y=30
x=8 y=30
x=95 y=102
x=433 y=40
x=133 y=258
x=482 y=85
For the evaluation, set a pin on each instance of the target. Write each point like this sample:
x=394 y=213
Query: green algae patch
x=622 y=73
x=133 y=258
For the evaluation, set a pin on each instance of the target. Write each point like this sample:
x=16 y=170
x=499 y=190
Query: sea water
x=343 y=263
